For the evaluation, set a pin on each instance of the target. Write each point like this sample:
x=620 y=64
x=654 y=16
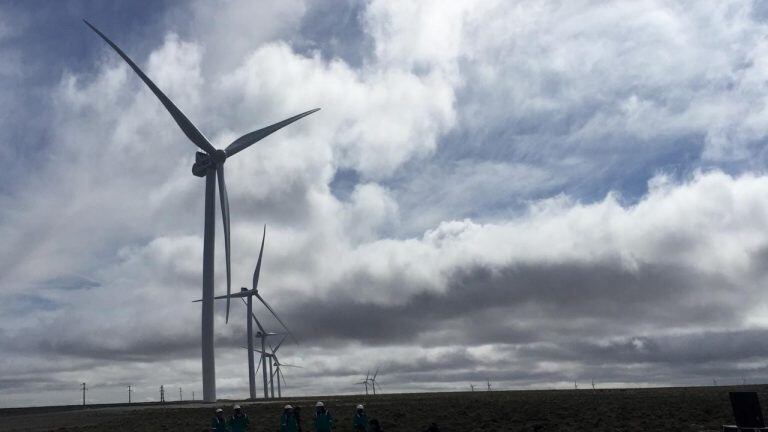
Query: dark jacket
x=219 y=425
x=239 y=423
x=323 y=421
x=360 y=422
x=288 y=423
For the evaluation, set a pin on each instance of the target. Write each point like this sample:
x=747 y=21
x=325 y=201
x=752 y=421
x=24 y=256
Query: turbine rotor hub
x=219 y=156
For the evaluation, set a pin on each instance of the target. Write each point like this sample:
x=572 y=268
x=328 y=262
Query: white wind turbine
x=209 y=164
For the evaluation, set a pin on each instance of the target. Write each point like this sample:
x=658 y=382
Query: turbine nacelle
x=204 y=162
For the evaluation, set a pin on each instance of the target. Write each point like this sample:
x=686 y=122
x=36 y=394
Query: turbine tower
x=209 y=164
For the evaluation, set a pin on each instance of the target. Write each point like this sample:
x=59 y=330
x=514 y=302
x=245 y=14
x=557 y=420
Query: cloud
x=528 y=192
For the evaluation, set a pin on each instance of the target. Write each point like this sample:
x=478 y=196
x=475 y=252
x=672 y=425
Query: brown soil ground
x=664 y=409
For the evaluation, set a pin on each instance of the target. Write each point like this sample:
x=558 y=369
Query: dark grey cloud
x=599 y=298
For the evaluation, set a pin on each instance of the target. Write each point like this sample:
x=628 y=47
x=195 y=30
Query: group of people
x=290 y=420
x=237 y=423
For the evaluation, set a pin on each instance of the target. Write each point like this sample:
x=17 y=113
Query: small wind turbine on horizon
x=365 y=381
x=209 y=164
x=372 y=380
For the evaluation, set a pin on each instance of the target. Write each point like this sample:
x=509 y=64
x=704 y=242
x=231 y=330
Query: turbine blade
x=225 y=221
x=291 y=365
x=258 y=263
x=186 y=126
x=280 y=370
x=239 y=295
x=274 y=350
x=261 y=299
x=375 y=374
x=248 y=139
x=261 y=329
x=256 y=350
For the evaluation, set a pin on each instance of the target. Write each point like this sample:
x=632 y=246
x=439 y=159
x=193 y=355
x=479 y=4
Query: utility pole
x=180 y=398
x=129 y=393
x=162 y=394
x=83 y=394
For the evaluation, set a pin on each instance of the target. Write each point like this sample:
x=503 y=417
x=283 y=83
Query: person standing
x=297 y=414
x=288 y=422
x=219 y=423
x=360 y=420
x=323 y=418
x=239 y=421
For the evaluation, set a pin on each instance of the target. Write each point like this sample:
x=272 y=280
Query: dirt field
x=669 y=409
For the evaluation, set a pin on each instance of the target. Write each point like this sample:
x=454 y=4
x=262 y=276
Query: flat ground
x=665 y=409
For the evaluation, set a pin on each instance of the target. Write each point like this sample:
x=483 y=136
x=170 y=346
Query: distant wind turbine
x=279 y=373
x=365 y=381
x=209 y=164
x=372 y=380
x=247 y=296
x=274 y=361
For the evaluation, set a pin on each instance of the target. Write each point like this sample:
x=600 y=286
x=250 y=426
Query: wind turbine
x=373 y=381
x=264 y=356
x=262 y=335
x=279 y=372
x=247 y=296
x=365 y=381
x=209 y=164
x=273 y=362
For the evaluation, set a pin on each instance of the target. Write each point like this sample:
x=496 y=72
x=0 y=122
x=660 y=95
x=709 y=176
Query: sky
x=534 y=193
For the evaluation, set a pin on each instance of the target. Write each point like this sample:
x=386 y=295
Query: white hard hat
x=236 y=407
x=218 y=410
x=319 y=404
x=360 y=406
x=288 y=407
